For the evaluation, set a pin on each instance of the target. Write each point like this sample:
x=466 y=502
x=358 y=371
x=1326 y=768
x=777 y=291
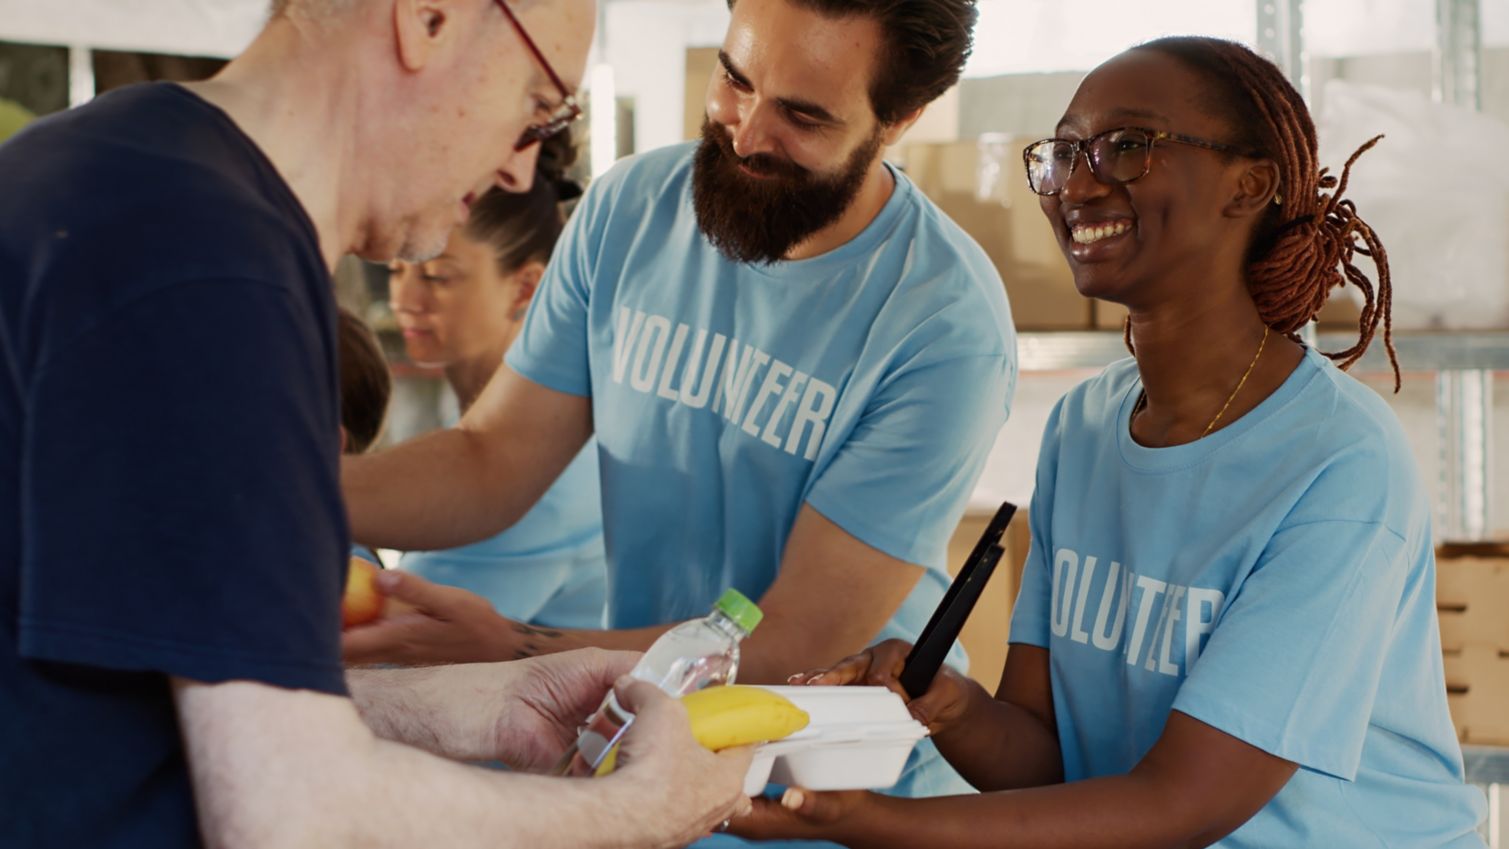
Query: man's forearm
x=397 y=796
x=435 y=492
x=468 y=483
x=453 y=711
x=443 y=804
x=328 y=781
x=775 y=655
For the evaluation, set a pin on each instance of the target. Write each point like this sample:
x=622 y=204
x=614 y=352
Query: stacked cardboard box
x=1472 y=602
x=982 y=187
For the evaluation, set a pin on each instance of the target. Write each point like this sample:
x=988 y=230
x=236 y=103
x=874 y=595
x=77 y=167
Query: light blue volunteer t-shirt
x=1275 y=580
x=869 y=383
x=549 y=568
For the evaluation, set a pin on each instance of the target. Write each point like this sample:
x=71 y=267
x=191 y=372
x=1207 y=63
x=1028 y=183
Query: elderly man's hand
x=548 y=701
x=442 y=625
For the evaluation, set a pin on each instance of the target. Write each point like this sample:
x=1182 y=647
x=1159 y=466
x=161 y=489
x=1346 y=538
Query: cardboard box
x=1477 y=689
x=1472 y=602
x=701 y=62
x=980 y=185
x=984 y=635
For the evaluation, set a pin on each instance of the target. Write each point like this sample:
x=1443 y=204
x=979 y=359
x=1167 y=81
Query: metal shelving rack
x=1464 y=395
x=1463 y=363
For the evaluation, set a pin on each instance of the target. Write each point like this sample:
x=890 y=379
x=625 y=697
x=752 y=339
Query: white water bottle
x=689 y=657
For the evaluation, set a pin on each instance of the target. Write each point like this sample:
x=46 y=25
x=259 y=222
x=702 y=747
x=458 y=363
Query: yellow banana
x=734 y=715
x=724 y=717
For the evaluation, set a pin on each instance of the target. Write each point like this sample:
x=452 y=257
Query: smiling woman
x=1295 y=253
x=1226 y=632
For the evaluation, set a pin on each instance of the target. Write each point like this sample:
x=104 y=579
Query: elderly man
x=172 y=536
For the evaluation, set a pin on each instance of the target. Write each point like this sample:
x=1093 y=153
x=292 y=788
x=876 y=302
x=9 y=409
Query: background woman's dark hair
x=1305 y=245
x=928 y=42
x=523 y=227
x=365 y=382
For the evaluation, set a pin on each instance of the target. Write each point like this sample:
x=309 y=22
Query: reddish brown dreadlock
x=1306 y=244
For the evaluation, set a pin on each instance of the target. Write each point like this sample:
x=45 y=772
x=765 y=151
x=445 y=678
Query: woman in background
x=460 y=312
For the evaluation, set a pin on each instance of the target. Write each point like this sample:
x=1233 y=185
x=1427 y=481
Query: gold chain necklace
x=1142 y=398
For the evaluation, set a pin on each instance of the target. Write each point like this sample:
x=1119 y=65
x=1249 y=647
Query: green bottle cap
x=745 y=613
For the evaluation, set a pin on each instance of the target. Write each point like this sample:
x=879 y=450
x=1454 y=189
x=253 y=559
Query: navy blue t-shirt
x=169 y=440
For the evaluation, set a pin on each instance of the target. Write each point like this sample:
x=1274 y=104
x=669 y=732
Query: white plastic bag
x=1436 y=190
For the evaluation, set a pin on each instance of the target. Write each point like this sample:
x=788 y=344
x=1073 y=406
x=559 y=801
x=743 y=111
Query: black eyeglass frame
x=1082 y=147
x=569 y=110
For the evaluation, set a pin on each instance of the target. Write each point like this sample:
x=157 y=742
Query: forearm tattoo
x=536 y=641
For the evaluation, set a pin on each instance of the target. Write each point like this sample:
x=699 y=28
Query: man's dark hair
x=927 y=44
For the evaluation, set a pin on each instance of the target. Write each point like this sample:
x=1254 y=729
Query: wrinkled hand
x=551 y=698
x=945 y=701
x=684 y=790
x=445 y=625
x=802 y=815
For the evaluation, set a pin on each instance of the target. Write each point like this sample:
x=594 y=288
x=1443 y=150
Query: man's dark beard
x=754 y=220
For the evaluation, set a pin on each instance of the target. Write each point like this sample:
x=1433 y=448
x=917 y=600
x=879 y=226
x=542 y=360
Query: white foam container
x=858 y=738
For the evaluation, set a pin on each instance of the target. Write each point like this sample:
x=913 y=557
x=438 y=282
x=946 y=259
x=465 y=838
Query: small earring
x=1278 y=200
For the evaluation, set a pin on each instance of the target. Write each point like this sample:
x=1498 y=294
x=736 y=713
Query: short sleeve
x=900 y=481
x=180 y=491
x=1030 y=616
x=1293 y=663
x=552 y=348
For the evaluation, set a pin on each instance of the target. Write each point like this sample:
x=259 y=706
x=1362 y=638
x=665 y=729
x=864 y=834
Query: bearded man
x=794 y=363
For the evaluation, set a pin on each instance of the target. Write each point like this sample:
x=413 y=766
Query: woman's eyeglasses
x=1115 y=156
